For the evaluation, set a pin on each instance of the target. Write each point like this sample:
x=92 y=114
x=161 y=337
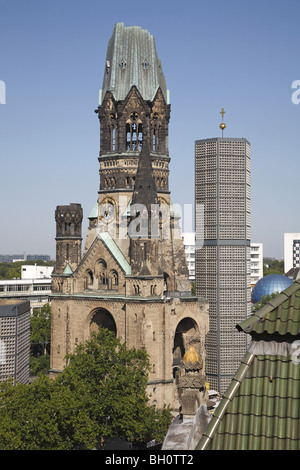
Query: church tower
x=133 y=276
x=68 y=236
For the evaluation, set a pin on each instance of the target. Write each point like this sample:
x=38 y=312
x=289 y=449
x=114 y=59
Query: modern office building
x=222 y=192
x=14 y=340
x=291 y=251
x=257 y=264
x=188 y=239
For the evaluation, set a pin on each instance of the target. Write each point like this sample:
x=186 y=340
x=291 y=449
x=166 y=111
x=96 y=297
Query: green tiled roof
x=259 y=412
x=280 y=315
x=260 y=409
x=116 y=252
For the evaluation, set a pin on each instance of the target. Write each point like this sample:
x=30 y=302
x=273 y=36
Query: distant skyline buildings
x=24 y=257
x=291 y=251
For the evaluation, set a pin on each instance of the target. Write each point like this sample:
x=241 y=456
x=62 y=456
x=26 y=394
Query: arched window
x=113 y=143
x=134 y=133
x=153 y=289
x=101 y=272
x=167 y=282
x=155 y=132
x=114 y=279
x=89 y=279
x=113 y=130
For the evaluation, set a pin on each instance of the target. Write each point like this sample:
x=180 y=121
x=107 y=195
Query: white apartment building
x=34 y=285
x=189 y=248
x=291 y=251
x=256 y=254
x=36 y=272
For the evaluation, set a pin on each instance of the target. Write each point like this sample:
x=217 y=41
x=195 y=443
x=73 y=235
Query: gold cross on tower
x=222 y=125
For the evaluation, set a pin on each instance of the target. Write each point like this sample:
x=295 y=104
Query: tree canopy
x=40 y=325
x=273 y=266
x=100 y=394
x=264 y=300
x=40 y=335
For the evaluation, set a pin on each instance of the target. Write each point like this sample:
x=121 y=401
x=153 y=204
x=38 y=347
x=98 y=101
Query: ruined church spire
x=144 y=188
x=131 y=59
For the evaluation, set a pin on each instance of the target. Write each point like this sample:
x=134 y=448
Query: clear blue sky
x=235 y=54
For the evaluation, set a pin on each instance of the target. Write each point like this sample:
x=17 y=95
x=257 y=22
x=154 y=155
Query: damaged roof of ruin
x=260 y=409
x=131 y=59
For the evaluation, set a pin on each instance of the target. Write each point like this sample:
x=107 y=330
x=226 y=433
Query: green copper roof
x=116 y=252
x=131 y=59
x=260 y=409
x=94 y=212
x=67 y=270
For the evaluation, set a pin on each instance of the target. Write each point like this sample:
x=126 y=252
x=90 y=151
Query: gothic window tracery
x=134 y=133
x=155 y=132
x=113 y=131
x=102 y=272
x=114 y=279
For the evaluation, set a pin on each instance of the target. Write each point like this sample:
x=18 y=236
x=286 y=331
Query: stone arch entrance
x=102 y=317
x=189 y=379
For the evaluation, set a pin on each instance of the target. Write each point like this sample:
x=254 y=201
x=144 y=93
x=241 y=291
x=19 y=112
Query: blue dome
x=269 y=285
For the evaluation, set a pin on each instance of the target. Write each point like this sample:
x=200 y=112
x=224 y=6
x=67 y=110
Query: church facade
x=131 y=275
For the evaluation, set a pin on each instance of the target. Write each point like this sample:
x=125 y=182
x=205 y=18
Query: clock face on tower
x=107 y=210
